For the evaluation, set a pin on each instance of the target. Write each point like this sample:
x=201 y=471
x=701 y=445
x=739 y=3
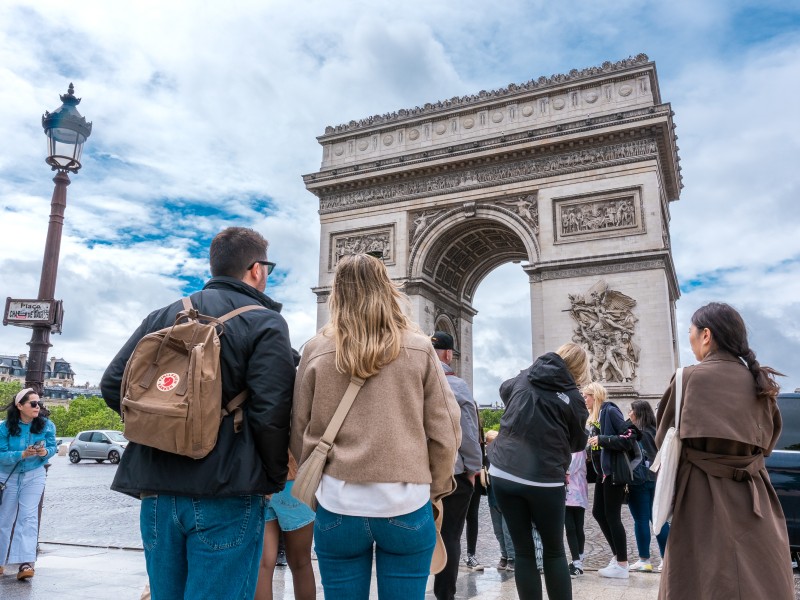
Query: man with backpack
x=202 y=486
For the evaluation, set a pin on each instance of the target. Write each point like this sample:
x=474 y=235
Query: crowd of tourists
x=369 y=447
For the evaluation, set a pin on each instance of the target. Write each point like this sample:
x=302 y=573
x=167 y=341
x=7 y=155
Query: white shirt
x=377 y=500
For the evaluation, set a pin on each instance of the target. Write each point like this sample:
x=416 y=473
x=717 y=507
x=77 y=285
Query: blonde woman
x=609 y=437
x=542 y=426
x=395 y=451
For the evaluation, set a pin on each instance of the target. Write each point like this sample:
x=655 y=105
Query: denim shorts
x=290 y=512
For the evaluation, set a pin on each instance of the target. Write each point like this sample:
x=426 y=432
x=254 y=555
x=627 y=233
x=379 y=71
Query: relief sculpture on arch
x=606 y=327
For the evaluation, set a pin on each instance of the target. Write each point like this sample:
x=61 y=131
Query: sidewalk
x=65 y=572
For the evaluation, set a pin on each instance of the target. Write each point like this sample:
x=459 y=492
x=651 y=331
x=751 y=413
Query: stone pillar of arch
x=571 y=176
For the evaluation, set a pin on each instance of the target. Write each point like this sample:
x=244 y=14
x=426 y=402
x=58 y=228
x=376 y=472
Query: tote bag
x=666 y=464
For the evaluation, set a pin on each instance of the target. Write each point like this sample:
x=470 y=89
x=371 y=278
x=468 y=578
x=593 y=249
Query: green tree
x=84 y=413
x=8 y=389
x=490 y=418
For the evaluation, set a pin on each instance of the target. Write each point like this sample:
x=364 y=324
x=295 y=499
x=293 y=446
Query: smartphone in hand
x=39 y=444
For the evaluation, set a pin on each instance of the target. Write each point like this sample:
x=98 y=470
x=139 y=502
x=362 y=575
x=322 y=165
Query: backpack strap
x=234 y=407
x=240 y=310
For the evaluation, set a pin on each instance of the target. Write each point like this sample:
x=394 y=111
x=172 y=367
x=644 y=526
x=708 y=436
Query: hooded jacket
x=543 y=423
x=255 y=355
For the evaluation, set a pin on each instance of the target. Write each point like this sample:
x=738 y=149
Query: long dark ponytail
x=730 y=334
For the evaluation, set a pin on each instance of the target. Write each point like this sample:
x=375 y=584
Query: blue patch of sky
x=782 y=265
x=764 y=21
x=191 y=284
x=711 y=278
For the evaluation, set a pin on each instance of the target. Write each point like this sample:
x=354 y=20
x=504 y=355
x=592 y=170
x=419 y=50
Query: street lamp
x=66 y=131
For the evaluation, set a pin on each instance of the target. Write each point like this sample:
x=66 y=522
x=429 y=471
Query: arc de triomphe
x=569 y=175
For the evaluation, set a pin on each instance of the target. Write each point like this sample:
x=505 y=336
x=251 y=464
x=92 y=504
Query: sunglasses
x=270 y=265
x=36 y=404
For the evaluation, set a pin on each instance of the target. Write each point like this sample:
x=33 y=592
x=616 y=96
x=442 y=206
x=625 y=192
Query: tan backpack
x=172 y=387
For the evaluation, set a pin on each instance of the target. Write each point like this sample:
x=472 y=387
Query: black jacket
x=256 y=355
x=543 y=423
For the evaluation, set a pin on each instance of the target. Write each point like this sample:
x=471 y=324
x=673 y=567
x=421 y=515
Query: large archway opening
x=501 y=330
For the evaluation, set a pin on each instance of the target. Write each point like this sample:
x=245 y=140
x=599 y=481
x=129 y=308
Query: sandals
x=25 y=571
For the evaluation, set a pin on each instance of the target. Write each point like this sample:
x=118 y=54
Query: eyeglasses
x=270 y=265
x=36 y=404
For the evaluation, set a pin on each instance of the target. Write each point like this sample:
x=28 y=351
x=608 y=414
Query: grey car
x=99 y=444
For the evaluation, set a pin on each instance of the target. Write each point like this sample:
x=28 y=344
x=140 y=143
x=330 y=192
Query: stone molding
x=606 y=214
x=507 y=92
x=474 y=178
x=538 y=273
x=365 y=239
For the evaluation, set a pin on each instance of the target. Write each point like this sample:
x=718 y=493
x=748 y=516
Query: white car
x=98 y=444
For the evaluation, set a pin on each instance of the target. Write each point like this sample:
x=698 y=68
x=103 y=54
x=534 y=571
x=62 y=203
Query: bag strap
x=12 y=471
x=341 y=412
x=187 y=306
x=678 y=396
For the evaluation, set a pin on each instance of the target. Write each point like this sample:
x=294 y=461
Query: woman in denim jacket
x=27 y=441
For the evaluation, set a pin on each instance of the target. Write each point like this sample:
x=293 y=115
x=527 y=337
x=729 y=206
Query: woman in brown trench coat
x=728 y=536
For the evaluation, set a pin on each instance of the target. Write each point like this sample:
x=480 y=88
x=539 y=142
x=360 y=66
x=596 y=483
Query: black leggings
x=472 y=519
x=607 y=511
x=576 y=537
x=523 y=505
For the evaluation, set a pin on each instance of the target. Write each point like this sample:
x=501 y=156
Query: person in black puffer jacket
x=542 y=426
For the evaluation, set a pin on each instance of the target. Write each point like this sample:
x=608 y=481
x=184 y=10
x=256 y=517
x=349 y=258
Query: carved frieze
x=605 y=326
x=595 y=216
x=363 y=240
x=566 y=162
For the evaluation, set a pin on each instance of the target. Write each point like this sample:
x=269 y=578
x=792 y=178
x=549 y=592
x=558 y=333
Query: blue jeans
x=202 y=548
x=403 y=551
x=20 y=506
x=640 y=501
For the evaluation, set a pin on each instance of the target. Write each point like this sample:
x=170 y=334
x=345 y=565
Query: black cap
x=442 y=340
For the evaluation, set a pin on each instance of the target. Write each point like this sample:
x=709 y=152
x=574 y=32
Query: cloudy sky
x=205 y=115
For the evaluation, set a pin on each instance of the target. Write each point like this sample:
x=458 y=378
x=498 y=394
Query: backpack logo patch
x=168 y=382
x=563 y=397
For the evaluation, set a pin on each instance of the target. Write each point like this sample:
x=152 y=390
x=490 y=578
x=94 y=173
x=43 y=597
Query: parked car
x=784 y=467
x=100 y=445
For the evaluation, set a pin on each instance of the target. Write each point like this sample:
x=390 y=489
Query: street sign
x=29 y=313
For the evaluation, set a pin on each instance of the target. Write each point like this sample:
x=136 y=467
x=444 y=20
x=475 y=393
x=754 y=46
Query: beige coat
x=728 y=538
x=402 y=428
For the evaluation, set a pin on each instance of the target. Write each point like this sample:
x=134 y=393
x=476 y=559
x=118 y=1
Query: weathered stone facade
x=570 y=175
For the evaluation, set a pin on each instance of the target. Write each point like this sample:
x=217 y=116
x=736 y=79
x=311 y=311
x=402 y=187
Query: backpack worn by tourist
x=172 y=386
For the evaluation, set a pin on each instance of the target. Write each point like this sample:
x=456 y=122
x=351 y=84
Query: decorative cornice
x=511 y=90
x=547 y=132
x=473 y=178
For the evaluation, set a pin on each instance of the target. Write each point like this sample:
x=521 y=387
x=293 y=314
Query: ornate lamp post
x=66 y=131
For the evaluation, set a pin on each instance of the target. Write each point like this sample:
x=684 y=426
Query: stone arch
x=462 y=245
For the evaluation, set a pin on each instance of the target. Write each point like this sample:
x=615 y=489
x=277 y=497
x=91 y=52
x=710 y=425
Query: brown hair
x=729 y=334
x=577 y=361
x=234 y=249
x=367 y=320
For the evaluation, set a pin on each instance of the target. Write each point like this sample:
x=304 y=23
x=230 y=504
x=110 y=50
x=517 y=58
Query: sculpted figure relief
x=605 y=326
x=421 y=222
x=597 y=216
x=527 y=208
x=368 y=242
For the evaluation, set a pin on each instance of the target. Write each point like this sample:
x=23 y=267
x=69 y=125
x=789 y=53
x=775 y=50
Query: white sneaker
x=613 y=562
x=614 y=572
x=642 y=566
x=660 y=566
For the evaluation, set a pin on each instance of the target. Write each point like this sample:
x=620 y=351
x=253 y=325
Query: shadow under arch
x=464 y=244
